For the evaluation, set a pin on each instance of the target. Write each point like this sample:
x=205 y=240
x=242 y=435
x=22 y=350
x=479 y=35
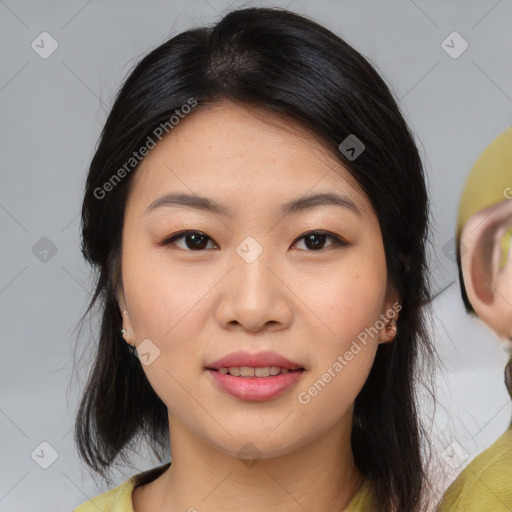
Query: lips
x=261 y=359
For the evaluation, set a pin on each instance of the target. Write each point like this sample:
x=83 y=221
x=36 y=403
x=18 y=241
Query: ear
x=127 y=331
x=486 y=265
x=120 y=299
x=389 y=316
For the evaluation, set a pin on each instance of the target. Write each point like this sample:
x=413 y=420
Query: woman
x=257 y=212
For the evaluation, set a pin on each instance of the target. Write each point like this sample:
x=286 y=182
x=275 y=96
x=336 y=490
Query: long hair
x=283 y=63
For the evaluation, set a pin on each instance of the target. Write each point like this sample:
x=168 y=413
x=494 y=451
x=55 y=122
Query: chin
x=258 y=446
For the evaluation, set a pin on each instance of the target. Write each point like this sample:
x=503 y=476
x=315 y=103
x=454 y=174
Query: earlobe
x=126 y=330
x=389 y=331
x=120 y=300
x=390 y=317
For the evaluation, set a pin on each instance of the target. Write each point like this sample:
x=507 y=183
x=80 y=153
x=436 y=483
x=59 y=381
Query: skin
x=197 y=305
x=487 y=267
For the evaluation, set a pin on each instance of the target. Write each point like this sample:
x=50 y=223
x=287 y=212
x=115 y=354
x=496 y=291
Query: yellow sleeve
x=486 y=483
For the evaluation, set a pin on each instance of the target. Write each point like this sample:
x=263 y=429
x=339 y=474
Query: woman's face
x=251 y=281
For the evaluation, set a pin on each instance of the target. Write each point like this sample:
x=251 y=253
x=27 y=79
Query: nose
x=255 y=296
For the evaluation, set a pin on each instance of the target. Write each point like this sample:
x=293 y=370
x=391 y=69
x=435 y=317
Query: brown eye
x=315 y=240
x=194 y=240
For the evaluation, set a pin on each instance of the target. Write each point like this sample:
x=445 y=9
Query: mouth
x=255 y=371
x=247 y=364
x=255 y=384
x=254 y=376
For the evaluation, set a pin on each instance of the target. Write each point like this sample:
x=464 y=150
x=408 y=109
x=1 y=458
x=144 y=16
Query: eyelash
x=337 y=241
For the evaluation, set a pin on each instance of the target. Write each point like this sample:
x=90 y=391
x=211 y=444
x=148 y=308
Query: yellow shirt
x=486 y=483
x=119 y=499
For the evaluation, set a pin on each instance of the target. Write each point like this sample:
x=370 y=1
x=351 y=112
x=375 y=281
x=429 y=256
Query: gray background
x=52 y=112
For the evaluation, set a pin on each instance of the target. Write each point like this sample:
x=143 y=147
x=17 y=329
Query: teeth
x=247 y=371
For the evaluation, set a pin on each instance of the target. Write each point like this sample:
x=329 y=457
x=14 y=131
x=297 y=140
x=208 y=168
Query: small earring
x=391 y=326
x=125 y=333
x=125 y=312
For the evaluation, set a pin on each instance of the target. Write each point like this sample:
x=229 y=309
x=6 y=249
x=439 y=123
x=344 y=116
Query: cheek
x=330 y=391
x=164 y=296
x=169 y=305
x=347 y=305
x=348 y=299
x=166 y=307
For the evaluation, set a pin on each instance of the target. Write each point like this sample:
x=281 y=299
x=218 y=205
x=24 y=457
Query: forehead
x=242 y=154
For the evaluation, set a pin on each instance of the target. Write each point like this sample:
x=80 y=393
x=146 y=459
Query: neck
x=314 y=477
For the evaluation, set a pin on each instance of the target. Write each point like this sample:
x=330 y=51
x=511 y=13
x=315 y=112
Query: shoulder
x=485 y=483
x=119 y=499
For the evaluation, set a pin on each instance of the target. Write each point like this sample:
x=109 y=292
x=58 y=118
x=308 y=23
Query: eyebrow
x=296 y=205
